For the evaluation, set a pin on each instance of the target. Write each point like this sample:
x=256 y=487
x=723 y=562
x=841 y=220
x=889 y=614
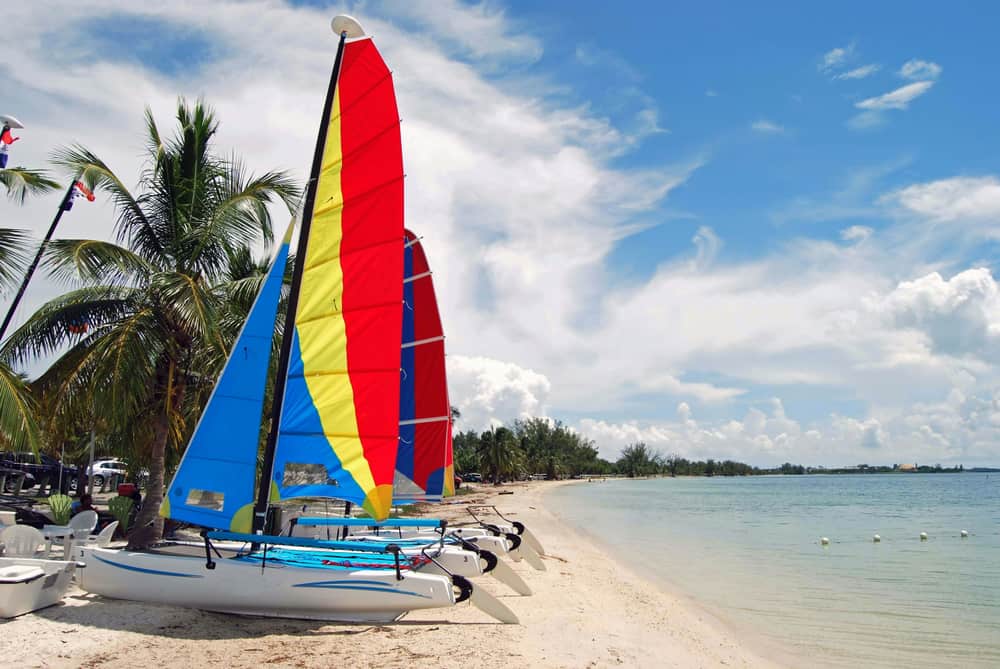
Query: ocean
x=748 y=550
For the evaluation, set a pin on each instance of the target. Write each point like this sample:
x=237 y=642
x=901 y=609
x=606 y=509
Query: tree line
x=545 y=448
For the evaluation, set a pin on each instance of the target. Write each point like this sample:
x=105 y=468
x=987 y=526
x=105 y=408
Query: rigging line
x=415 y=277
x=421 y=342
x=412 y=242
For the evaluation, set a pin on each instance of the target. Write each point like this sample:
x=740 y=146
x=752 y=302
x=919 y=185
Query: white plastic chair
x=103 y=538
x=83 y=523
x=21 y=541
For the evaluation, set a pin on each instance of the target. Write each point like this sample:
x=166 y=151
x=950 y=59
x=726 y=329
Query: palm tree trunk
x=173 y=398
x=154 y=488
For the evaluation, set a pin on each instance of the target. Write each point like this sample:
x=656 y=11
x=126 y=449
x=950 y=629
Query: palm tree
x=499 y=454
x=150 y=312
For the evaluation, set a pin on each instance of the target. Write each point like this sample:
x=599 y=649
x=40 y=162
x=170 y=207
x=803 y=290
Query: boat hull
x=281 y=591
x=23 y=595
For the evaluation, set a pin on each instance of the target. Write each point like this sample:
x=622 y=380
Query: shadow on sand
x=179 y=623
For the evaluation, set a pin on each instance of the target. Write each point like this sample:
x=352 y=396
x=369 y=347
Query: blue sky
x=728 y=230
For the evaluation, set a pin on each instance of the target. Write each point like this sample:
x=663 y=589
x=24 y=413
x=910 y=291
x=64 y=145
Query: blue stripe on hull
x=157 y=572
x=339 y=585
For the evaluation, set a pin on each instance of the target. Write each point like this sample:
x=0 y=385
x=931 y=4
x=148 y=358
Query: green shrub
x=61 y=506
x=121 y=509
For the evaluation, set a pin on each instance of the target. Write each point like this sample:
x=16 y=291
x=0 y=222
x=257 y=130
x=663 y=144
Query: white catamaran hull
x=28 y=585
x=234 y=586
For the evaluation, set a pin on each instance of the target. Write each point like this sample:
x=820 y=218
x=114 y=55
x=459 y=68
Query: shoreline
x=769 y=653
x=587 y=610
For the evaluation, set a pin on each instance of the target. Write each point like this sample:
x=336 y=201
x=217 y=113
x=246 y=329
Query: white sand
x=586 y=611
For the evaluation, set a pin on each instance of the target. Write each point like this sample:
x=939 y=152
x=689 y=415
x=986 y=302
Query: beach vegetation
x=530 y=447
x=147 y=325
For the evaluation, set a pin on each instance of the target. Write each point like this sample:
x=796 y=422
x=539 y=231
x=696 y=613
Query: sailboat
x=424 y=462
x=424 y=470
x=335 y=415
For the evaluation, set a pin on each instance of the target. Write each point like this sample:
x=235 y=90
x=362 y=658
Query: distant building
x=908 y=468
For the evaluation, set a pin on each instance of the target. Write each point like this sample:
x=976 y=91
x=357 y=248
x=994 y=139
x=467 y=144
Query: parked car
x=472 y=477
x=44 y=468
x=105 y=468
x=10 y=484
x=102 y=470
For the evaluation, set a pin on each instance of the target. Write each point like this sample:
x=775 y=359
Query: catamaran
x=335 y=417
x=424 y=470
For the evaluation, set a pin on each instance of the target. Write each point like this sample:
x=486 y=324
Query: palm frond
x=154 y=143
x=125 y=359
x=21 y=182
x=13 y=255
x=188 y=302
x=132 y=224
x=18 y=429
x=239 y=214
x=49 y=329
x=95 y=261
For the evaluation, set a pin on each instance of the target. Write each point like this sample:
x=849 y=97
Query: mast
x=264 y=486
x=38 y=256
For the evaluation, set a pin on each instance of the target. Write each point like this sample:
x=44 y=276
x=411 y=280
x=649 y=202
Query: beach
x=587 y=610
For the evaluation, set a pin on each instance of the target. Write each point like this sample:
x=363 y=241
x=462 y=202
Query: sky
x=766 y=233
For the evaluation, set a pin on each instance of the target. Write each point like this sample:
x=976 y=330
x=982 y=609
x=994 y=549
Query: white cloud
x=705 y=392
x=958 y=429
x=955 y=199
x=897 y=99
x=767 y=127
x=478 y=30
x=920 y=70
x=711 y=93
x=856 y=233
x=708 y=244
x=959 y=316
x=489 y=391
x=860 y=72
x=836 y=57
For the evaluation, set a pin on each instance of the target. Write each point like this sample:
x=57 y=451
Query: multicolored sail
x=424 y=469
x=214 y=484
x=340 y=417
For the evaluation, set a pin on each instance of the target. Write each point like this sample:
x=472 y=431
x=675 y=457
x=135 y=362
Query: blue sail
x=214 y=484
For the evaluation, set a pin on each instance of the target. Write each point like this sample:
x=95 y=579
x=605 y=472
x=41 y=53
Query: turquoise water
x=748 y=549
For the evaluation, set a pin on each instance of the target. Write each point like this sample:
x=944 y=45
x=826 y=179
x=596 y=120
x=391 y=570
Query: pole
x=34 y=263
x=90 y=465
x=264 y=488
